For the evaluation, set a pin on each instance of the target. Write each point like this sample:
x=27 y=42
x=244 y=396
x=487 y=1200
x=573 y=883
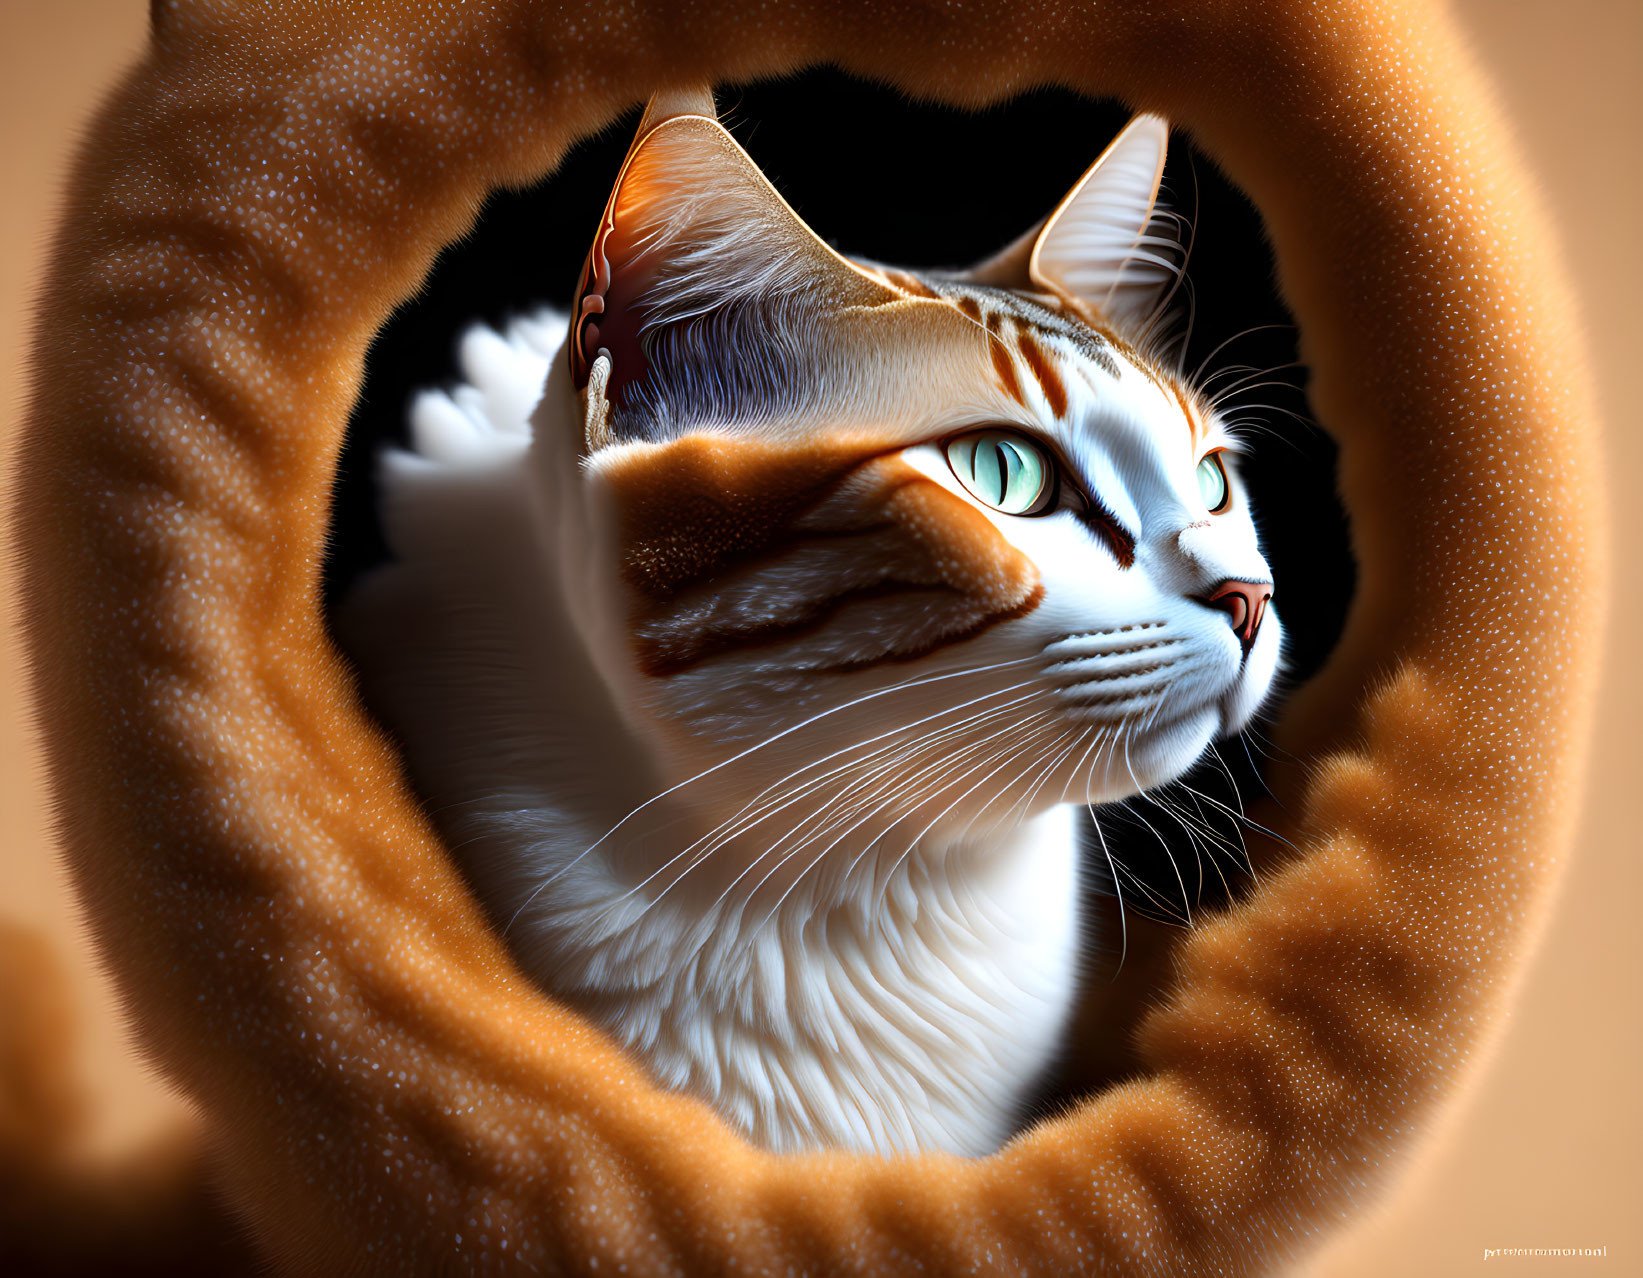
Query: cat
x=758 y=631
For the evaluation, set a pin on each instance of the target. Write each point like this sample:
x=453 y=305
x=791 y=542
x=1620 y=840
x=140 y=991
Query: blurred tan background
x=1547 y=1148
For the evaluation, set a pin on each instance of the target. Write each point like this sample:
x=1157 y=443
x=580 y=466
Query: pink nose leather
x=1244 y=602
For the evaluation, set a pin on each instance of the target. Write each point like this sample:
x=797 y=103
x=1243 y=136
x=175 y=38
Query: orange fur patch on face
x=969 y=553
x=693 y=506
x=733 y=544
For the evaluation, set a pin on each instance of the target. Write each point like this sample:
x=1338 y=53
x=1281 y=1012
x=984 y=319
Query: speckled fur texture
x=391 y=1095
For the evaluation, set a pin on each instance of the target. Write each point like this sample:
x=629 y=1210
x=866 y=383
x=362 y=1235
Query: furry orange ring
x=294 y=944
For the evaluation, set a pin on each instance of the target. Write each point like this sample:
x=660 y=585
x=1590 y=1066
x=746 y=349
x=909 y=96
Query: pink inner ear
x=606 y=317
x=690 y=197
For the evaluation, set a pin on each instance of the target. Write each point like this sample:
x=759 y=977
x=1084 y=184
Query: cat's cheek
x=1155 y=758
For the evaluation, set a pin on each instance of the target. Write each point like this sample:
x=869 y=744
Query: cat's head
x=929 y=547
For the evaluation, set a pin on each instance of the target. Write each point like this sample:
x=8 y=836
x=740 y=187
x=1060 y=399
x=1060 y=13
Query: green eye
x=1007 y=471
x=1212 y=484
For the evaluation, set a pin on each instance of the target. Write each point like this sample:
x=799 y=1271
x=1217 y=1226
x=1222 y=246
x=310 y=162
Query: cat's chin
x=1162 y=754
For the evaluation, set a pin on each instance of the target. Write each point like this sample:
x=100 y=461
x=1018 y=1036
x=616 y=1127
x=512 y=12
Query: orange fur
x=296 y=948
x=692 y=507
x=700 y=509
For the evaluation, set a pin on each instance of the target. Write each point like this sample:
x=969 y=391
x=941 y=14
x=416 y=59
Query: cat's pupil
x=996 y=465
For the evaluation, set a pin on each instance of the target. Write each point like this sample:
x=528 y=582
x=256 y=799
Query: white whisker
x=1003 y=733
x=916 y=682
x=742 y=821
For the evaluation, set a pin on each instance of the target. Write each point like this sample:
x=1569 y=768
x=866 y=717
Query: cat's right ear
x=692 y=228
x=1106 y=244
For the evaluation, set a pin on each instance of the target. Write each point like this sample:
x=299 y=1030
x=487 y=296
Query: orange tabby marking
x=703 y=514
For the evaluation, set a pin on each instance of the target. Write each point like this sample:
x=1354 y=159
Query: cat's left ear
x=1104 y=244
x=692 y=235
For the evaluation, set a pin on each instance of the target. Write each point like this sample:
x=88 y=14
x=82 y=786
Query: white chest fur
x=913 y=1014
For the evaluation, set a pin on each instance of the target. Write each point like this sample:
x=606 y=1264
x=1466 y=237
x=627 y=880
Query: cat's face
x=897 y=552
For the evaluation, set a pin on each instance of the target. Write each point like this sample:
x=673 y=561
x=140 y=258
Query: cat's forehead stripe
x=1044 y=371
x=1003 y=364
x=997 y=309
x=1089 y=340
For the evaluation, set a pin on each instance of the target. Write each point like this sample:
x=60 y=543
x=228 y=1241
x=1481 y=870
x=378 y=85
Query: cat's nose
x=1244 y=603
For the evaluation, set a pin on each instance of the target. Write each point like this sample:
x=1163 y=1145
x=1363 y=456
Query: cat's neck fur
x=883 y=1012
x=901 y=1005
